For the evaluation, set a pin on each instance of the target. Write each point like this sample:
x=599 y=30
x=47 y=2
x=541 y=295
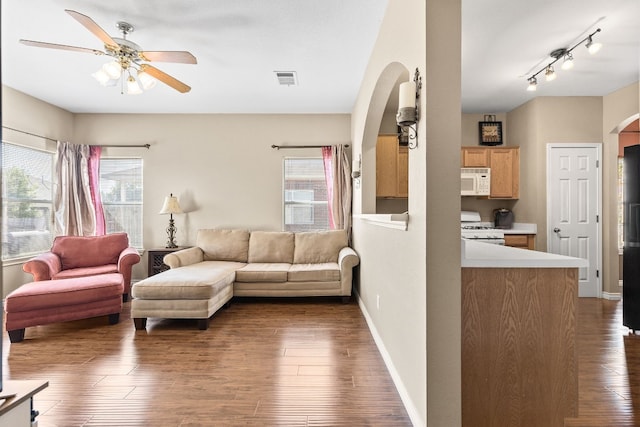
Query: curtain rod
x=278 y=147
x=147 y=146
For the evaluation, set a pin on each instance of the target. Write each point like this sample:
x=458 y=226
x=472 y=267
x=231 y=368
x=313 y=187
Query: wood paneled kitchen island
x=519 y=361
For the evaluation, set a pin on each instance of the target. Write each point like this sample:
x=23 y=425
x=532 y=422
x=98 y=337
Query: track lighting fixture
x=567 y=56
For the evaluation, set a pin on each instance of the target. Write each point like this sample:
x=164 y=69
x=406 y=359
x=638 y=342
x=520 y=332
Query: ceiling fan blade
x=61 y=47
x=181 y=56
x=165 y=78
x=94 y=28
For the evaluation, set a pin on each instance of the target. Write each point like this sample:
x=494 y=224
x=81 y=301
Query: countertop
x=486 y=255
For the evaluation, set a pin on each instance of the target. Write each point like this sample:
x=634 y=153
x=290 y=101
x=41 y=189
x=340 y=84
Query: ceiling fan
x=127 y=56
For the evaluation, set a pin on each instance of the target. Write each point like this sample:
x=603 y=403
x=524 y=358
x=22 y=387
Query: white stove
x=471 y=228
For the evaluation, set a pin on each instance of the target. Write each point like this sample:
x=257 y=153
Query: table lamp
x=171 y=206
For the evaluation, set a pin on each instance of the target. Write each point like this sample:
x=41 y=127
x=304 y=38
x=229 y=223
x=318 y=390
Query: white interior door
x=573 y=208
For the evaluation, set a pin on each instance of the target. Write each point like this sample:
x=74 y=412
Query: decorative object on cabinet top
x=490 y=131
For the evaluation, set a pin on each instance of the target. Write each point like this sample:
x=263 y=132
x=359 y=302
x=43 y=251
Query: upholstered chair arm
x=127 y=259
x=184 y=257
x=43 y=266
x=347 y=259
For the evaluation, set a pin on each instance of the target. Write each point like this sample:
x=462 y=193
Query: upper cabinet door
x=505 y=173
x=473 y=157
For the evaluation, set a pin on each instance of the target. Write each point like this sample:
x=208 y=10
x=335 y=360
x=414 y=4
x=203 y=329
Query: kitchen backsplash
x=486 y=207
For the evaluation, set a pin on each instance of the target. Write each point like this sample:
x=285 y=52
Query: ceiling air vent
x=287 y=78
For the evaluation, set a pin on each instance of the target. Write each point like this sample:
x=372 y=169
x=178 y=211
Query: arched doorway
x=382 y=102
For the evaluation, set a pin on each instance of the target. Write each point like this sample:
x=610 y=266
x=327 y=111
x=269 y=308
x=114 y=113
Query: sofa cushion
x=263 y=272
x=319 y=246
x=86 y=271
x=320 y=272
x=271 y=246
x=79 y=251
x=223 y=245
x=203 y=280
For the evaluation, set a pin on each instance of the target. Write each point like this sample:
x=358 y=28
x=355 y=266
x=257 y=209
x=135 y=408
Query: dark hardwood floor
x=269 y=362
x=262 y=362
x=608 y=366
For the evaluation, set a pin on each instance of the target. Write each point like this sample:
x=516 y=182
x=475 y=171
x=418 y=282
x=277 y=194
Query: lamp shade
x=170 y=206
x=133 y=88
x=146 y=80
x=112 y=69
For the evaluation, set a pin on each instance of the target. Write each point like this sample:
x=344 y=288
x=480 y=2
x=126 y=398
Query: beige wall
x=394 y=270
x=221 y=167
x=415 y=272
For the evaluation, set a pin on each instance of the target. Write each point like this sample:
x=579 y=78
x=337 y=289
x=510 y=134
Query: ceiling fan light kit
x=128 y=67
x=567 y=57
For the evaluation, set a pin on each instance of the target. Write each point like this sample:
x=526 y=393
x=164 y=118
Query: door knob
x=556 y=230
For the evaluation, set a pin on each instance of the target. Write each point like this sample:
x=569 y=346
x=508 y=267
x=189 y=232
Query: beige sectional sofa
x=233 y=262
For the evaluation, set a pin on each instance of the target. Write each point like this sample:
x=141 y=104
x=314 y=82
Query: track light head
x=591 y=46
x=533 y=84
x=567 y=64
x=550 y=74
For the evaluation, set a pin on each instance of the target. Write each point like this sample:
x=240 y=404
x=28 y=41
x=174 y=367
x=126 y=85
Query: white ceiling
x=505 y=41
x=239 y=44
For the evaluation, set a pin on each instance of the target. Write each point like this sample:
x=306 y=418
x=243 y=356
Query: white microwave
x=475 y=181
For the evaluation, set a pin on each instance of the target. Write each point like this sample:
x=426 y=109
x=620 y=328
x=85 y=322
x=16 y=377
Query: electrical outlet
x=378 y=302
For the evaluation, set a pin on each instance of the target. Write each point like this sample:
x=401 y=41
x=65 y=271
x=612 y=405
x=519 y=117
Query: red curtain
x=327 y=159
x=94 y=186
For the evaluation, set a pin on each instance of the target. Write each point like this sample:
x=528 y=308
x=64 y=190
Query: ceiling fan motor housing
x=126 y=53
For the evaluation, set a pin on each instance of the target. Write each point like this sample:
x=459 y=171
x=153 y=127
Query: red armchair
x=74 y=256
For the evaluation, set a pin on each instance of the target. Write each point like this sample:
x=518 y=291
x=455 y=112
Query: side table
x=155 y=257
x=17 y=407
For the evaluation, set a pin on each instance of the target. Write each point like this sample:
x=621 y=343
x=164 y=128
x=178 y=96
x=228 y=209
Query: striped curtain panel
x=74 y=214
x=337 y=171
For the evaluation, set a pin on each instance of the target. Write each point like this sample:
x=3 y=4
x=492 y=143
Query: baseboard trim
x=612 y=296
x=414 y=415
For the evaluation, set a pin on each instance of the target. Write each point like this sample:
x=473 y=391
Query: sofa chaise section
x=194 y=291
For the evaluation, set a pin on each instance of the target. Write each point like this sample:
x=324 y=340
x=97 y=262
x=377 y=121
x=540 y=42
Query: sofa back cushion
x=89 y=251
x=271 y=246
x=223 y=245
x=319 y=246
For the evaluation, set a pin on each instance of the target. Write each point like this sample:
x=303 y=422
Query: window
x=121 y=193
x=305 y=195
x=27 y=196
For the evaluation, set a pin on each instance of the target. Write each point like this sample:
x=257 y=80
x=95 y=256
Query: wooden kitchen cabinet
x=505 y=168
x=505 y=173
x=525 y=241
x=475 y=157
x=518 y=346
x=392 y=168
